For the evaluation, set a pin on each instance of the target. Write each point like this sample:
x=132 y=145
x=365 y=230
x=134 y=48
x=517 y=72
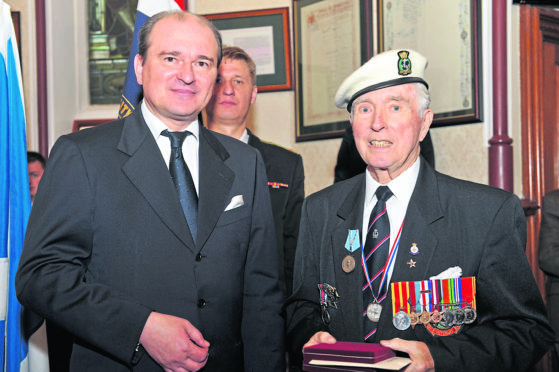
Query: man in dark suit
x=142 y=283
x=441 y=231
x=234 y=93
x=549 y=262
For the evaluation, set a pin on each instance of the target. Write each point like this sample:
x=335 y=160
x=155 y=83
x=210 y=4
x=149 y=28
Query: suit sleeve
x=58 y=245
x=511 y=332
x=549 y=235
x=303 y=314
x=292 y=219
x=262 y=324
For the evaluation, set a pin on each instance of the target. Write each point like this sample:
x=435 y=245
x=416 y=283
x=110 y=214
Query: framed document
x=264 y=35
x=452 y=45
x=332 y=39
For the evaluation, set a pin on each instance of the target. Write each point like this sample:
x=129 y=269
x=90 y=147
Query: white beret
x=384 y=70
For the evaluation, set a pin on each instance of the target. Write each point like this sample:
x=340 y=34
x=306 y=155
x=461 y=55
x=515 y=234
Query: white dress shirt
x=396 y=207
x=189 y=147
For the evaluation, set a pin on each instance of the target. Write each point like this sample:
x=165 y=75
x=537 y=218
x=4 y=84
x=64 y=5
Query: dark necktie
x=183 y=180
x=375 y=253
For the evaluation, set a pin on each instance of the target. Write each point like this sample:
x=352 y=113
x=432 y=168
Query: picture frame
x=332 y=38
x=264 y=35
x=454 y=71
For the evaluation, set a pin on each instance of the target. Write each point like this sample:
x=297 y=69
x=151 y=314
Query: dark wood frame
x=278 y=18
x=459 y=115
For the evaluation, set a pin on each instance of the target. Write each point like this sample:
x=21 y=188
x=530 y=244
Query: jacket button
x=199 y=257
x=201 y=303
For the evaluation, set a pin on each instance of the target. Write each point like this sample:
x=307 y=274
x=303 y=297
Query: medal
x=425 y=317
x=414 y=319
x=436 y=316
x=373 y=311
x=348 y=264
x=448 y=319
x=459 y=316
x=401 y=320
x=414 y=249
x=470 y=315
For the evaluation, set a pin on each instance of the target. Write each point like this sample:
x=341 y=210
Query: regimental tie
x=375 y=255
x=183 y=179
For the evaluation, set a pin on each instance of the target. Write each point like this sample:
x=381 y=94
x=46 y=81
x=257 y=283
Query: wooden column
x=500 y=145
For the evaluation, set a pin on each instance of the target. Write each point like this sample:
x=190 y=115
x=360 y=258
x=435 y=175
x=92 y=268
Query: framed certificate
x=452 y=45
x=332 y=39
x=264 y=35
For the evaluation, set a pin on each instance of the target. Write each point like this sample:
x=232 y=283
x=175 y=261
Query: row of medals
x=446 y=318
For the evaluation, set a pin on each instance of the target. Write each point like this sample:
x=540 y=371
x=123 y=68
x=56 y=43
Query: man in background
x=549 y=263
x=151 y=239
x=36 y=164
x=234 y=93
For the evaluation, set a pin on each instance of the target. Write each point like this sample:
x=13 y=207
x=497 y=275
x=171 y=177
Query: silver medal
x=373 y=311
x=401 y=321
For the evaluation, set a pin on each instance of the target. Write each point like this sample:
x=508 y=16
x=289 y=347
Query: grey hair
x=145 y=31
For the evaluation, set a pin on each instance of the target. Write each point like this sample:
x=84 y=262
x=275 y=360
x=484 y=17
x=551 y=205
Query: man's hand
x=174 y=343
x=421 y=359
x=320 y=338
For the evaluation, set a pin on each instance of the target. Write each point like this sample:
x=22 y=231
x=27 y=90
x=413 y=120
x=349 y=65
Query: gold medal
x=348 y=264
x=425 y=317
x=436 y=316
x=414 y=319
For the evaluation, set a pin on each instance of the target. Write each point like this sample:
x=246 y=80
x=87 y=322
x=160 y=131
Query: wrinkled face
x=35 y=171
x=179 y=71
x=233 y=93
x=387 y=129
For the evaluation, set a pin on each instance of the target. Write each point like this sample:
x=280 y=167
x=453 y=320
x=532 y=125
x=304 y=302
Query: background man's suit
x=285 y=167
x=112 y=201
x=454 y=223
x=549 y=258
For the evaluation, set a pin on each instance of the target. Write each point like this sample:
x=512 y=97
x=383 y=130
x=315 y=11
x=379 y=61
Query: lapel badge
x=414 y=249
x=277 y=185
x=352 y=241
x=411 y=263
x=328 y=295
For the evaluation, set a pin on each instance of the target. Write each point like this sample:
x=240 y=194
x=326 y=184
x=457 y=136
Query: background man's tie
x=375 y=253
x=183 y=179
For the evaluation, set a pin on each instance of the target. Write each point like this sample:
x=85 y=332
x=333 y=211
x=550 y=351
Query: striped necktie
x=375 y=255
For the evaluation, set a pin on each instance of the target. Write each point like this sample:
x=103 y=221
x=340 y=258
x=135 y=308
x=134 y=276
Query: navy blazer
x=454 y=223
x=107 y=243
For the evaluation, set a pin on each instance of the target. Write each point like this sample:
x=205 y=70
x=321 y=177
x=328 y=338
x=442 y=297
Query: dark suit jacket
x=454 y=223
x=549 y=255
x=286 y=167
x=107 y=243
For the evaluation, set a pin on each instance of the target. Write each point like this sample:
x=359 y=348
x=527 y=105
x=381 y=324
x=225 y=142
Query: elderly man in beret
x=420 y=262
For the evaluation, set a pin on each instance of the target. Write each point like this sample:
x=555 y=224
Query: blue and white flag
x=15 y=202
x=131 y=95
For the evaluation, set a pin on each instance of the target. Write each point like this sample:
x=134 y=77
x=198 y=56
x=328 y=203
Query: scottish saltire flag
x=15 y=202
x=132 y=90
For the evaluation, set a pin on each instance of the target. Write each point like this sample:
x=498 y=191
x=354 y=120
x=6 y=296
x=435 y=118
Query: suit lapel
x=349 y=284
x=424 y=209
x=147 y=171
x=216 y=180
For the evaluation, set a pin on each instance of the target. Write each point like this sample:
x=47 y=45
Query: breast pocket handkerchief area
x=236 y=202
